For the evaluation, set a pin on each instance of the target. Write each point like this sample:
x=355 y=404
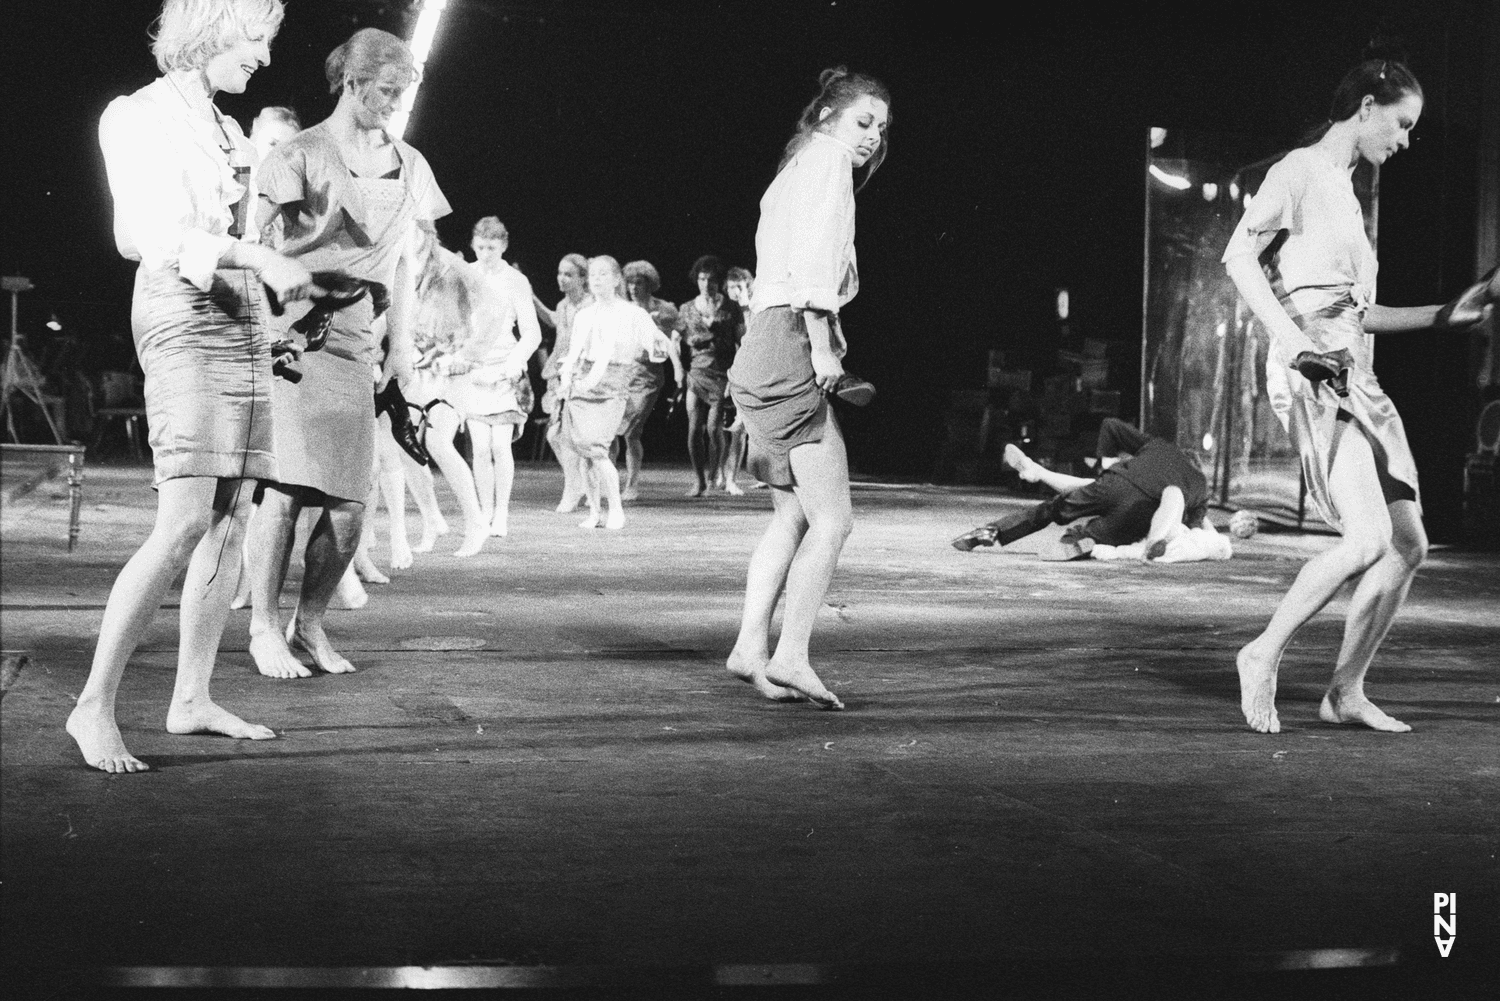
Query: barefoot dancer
x=345 y=194
x=572 y=281
x=609 y=335
x=709 y=327
x=740 y=288
x=1320 y=297
x=647 y=377
x=495 y=394
x=179 y=174
x=789 y=360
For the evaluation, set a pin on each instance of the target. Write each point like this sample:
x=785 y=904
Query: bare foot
x=99 y=739
x=698 y=490
x=204 y=716
x=242 y=593
x=499 y=528
x=752 y=671
x=1258 y=688
x=616 y=519
x=592 y=521
x=351 y=594
x=473 y=541
x=1022 y=464
x=1353 y=707
x=569 y=504
x=365 y=569
x=401 y=557
x=630 y=494
x=733 y=489
x=311 y=639
x=274 y=658
x=803 y=679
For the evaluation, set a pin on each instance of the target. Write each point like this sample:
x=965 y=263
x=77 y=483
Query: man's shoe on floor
x=1065 y=549
x=984 y=535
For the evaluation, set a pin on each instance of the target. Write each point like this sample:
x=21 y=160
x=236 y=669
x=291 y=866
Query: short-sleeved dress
x=334 y=220
x=184 y=191
x=1306 y=226
x=649 y=375
x=617 y=332
x=482 y=391
x=711 y=337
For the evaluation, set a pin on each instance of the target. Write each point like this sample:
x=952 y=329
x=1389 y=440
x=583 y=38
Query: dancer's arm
x=1251 y=281
x=1399 y=319
x=528 y=327
x=398 y=326
x=1168 y=513
x=827 y=367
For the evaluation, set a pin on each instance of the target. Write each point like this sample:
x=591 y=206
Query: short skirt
x=775 y=390
x=207 y=360
x=480 y=397
x=1313 y=415
x=591 y=420
x=644 y=387
x=707 y=384
x=325 y=424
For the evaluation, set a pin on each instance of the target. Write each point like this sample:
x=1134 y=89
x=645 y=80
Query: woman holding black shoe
x=788 y=364
x=346 y=195
x=1316 y=297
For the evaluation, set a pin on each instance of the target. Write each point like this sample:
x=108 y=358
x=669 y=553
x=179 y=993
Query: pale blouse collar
x=848 y=150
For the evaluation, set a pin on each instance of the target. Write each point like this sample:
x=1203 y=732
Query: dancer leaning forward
x=1316 y=297
x=788 y=364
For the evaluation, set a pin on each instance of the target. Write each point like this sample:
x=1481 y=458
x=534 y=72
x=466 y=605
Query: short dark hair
x=710 y=265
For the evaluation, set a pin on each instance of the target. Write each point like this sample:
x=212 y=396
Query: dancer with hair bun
x=345 y=195
x=183 y=181
x=1317 y=300
x=648 y=377
x=788 y=364
x=608 y=335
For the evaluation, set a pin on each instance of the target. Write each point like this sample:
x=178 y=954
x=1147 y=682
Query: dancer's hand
x=288 y=278
x=827 y=369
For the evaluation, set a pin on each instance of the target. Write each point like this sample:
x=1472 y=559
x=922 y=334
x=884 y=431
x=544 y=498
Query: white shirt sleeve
x=158 y=220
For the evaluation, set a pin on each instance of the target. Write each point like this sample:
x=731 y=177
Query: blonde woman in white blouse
x=608 y=335
x=787 y=364
x=1316 y=297
x=183 y=182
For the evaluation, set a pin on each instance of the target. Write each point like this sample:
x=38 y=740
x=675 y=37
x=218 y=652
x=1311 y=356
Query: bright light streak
x=1170 y=180
x=421 y=47
x=1210 y=191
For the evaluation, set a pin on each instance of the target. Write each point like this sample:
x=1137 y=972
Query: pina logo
x=1444 y=921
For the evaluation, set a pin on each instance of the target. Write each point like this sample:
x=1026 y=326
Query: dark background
x=650 y=129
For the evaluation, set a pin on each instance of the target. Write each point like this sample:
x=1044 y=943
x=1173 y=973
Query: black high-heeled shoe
x=854 y=390
x=342 y=291
x=1332 y=368
x=392 y=401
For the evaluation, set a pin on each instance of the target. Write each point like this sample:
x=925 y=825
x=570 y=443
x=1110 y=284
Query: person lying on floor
x=1145 y=487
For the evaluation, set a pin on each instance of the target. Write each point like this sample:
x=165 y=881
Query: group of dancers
x=333 y=229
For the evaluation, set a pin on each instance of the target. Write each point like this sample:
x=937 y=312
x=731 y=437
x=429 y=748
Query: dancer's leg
x=763 y=585
x=593 y=481
x=1034 y=472
x=419 y=481
x=635 y=452
x=241 y=597
x=270 y=546
x=1354 y=488
x=482 y=436
x=1373 y=607
x=697 y=414
x=501 y=440
x=608 y=478
x=391 y=478
x=184 y=513
x=444 y=421
x=350 y=593
x=734 y=456
x=329 y=550
x=715 y=442
x=206 y=593
x=822 y=473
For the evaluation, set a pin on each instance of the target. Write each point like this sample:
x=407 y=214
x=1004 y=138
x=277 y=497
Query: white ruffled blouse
x=173 y=184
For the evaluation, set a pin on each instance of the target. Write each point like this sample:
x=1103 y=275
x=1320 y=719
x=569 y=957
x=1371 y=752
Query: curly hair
x=188 y=33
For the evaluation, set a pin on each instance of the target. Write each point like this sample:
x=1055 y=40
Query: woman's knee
x=1366 y=549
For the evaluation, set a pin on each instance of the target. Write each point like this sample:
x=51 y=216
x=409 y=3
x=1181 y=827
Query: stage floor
x=1042 y=765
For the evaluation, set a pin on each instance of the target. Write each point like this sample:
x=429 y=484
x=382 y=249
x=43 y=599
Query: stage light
x=1170 y=180
x=422 y=37
x=1062 y=304
x=1158 y=136
x=1234 y=190
x=1210 y=191
x=53 y=323
x=1208 y=443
